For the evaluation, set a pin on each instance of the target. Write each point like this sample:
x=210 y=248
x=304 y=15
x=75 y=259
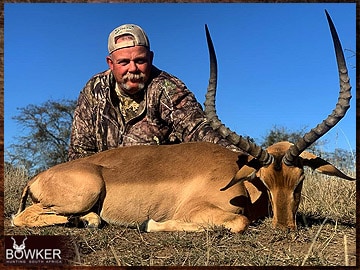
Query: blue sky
x=276 y=62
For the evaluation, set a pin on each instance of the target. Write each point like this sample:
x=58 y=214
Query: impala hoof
x=144 y=226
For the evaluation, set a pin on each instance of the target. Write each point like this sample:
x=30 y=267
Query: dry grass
x=326 y=235
x=329 y=197
x=15 y=180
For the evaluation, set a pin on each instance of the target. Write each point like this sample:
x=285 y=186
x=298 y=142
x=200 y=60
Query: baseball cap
x=140 y=38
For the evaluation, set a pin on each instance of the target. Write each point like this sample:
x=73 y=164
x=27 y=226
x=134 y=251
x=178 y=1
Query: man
x=133 y=102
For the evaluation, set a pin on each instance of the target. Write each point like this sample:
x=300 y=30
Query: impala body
x=130 y=185
x=176 y=184
x=188 y=186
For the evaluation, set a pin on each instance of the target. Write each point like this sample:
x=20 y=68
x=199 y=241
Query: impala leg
x=199 y=220
x=62 y=196
x=37 y=215
x=210 y=214
x=171 y=226
x=236 y=223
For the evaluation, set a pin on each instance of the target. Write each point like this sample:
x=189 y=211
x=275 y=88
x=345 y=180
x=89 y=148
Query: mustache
x=134 y=76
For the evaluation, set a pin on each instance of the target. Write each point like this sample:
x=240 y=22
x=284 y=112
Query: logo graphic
x=19 y=248
x=36 y=249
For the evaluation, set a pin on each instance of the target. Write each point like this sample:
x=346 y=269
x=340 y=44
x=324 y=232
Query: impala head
x=284 y=185
x=281 y=166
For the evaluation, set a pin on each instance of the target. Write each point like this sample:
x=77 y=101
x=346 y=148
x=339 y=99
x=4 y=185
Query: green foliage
x=278 y=134
x=343 y=159
x=45 y=137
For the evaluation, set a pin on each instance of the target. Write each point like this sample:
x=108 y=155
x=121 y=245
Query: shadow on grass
x=315 y=220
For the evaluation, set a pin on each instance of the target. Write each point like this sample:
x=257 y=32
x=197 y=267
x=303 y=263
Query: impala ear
x=253 y=191
x=245 y=173
x=322 y=166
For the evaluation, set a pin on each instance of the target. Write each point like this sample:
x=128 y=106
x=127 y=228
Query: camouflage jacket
x=168 y=113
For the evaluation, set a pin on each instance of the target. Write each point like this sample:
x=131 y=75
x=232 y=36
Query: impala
x=188 y=186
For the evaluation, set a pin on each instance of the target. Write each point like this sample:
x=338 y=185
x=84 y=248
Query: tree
x=278 y=134
x=342 y=159
x=46 y=135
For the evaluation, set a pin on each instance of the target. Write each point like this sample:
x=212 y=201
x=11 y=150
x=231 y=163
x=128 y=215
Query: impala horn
x=337 y=114
x=244 y=144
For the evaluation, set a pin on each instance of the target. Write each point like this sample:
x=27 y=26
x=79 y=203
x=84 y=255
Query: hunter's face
x=131 y=67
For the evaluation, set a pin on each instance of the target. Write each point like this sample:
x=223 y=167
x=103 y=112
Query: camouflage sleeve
x=83 y=140
x=180 y=109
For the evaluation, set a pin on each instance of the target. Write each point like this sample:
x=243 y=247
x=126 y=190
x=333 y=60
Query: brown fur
x=187 y=186
x=284 y=183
